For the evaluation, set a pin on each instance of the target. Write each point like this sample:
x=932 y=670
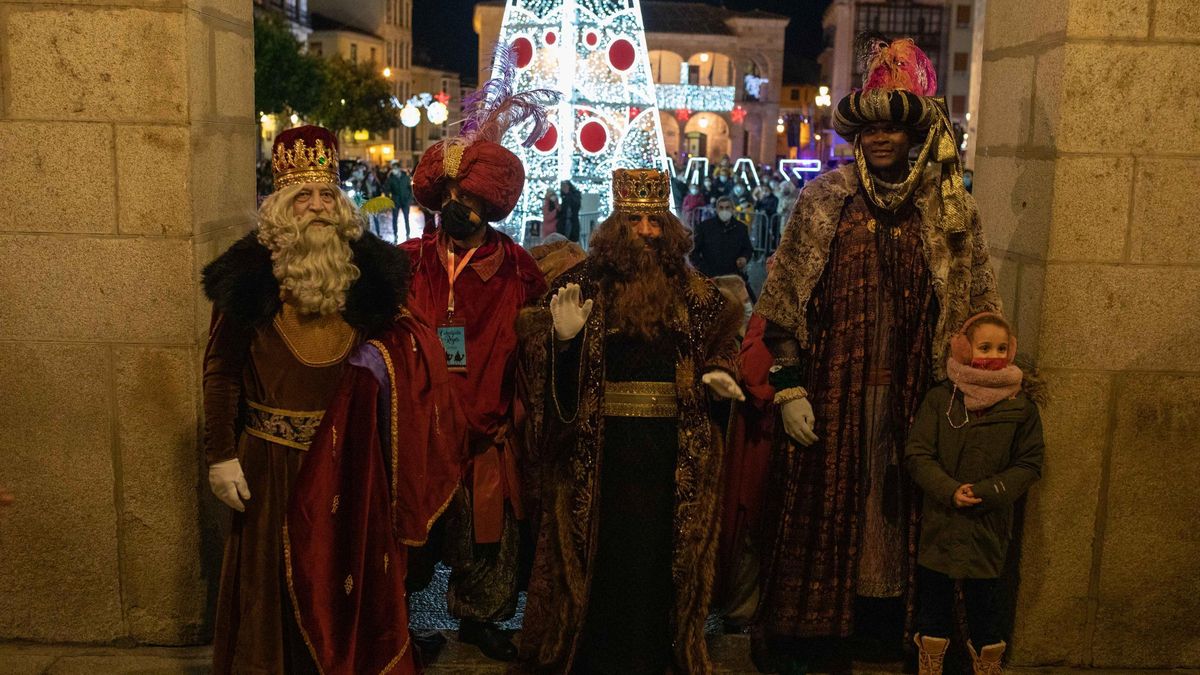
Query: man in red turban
x=471 y=280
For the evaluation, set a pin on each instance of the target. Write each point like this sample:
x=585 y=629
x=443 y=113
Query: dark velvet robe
x=248 y=360
x=683 y=455
x=382 y=468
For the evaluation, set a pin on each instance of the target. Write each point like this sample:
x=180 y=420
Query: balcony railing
x=694 y=97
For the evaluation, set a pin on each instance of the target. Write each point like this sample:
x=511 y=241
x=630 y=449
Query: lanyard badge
x=452 y=331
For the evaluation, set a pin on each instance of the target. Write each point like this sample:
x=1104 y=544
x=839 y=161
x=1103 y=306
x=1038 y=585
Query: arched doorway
x=665 y=66
x=707 y=135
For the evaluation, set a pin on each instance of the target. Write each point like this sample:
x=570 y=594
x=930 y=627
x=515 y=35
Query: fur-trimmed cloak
x=242 y=286
x=959 y=265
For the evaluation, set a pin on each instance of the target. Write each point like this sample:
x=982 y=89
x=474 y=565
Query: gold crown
x=641 y=190
x=304 y=164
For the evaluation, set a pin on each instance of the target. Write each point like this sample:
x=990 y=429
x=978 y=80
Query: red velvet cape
x=384 y=464
x=749 y=452
x=501 y=279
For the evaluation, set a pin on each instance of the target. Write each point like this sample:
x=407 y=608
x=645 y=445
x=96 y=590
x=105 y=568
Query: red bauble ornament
x=634 y=112
x=548 y=140
x=621 y=54
x=591 y=39
x=551 y=37
x=593 y=137
x=738 y=115
x=683 y=114
x=524 y=51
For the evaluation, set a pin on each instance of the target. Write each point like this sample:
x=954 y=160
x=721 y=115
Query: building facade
x=944 y=29
x=717 y=74
x=295 y=11
x=360 y=26
x=443 y=86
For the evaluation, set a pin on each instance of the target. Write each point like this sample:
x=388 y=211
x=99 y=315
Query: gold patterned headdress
x=307 y=154
x=641 y=191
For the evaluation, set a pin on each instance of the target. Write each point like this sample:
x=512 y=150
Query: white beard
x=316 y=268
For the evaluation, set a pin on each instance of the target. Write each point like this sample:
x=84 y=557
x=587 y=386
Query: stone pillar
x=126 y=161
x=1086 y=174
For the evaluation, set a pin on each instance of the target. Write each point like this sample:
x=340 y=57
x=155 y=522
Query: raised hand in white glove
x=798 y=421
x=569 y=313
x=228 y=483
x=723 y=385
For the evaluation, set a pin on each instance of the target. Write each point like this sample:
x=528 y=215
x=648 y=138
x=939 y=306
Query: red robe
x=500 y=279
x=383 y=466
x=749 y=453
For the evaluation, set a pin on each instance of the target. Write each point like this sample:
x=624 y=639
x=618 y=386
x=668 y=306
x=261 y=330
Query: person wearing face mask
x=692 y=203
x=471 y=280
x=881 y=260
x=975 y=449
x=722 y=244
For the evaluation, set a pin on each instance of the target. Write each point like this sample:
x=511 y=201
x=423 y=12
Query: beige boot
x=932 y=653
x=987 y=660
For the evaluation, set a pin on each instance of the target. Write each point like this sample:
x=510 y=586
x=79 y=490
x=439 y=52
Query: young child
x=975 y=448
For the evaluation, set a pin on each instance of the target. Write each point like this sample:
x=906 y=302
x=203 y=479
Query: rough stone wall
x=1087 y=171
x=126 y=162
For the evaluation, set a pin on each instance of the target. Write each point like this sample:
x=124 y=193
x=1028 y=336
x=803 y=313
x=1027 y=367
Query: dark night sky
x=442 y=30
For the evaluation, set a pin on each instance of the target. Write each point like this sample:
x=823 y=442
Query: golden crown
x=305 y=164
x=641 y=190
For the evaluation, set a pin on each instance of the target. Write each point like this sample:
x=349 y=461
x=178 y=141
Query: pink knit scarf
x=983 y=389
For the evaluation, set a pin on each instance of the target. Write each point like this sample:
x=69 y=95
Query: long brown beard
x=642 y=281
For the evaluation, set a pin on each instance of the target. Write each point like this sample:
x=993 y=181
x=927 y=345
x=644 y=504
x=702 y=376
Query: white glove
x=723 y=385
x=798 y=421
x=228 y=483
x=569 y=314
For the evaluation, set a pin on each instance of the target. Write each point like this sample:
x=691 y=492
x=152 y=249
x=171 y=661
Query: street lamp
x=823 y=101
x=387 y=72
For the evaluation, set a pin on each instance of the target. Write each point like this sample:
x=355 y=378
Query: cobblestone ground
x=731 y=654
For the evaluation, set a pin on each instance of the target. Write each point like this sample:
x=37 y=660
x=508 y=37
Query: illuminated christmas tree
x=594 y=53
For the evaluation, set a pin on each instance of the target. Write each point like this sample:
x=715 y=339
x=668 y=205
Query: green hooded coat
x=999 y=452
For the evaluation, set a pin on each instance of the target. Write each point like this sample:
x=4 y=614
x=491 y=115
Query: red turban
x=485 y=170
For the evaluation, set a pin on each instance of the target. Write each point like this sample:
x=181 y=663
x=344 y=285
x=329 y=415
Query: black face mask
x=457 y=222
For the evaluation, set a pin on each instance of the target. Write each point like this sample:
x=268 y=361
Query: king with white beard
x=291 y=301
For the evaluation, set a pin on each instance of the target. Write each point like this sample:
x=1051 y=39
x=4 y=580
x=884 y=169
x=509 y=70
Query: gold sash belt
x=292 y=428
x=640 y=399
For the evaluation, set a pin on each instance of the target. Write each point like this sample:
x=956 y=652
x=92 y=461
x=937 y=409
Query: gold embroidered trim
x=318 y=342
x=287 y=568
x=395 y=427
x=289 y=428
x=337 y=500
x=385 y=563
x=452 y=159
x=348 y=584
x=790 y=394
x=640 y=399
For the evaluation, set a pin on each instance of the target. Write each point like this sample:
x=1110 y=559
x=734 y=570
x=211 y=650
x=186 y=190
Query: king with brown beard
x=637 y=345
x=291 y=302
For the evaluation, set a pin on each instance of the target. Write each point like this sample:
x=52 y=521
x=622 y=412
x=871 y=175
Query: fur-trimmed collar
x=243 y=287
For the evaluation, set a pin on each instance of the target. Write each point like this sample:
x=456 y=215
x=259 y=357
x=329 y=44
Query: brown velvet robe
x=571 y=458
x=254 y=632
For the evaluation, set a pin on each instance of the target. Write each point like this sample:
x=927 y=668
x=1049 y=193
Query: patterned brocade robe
x=570 y=466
